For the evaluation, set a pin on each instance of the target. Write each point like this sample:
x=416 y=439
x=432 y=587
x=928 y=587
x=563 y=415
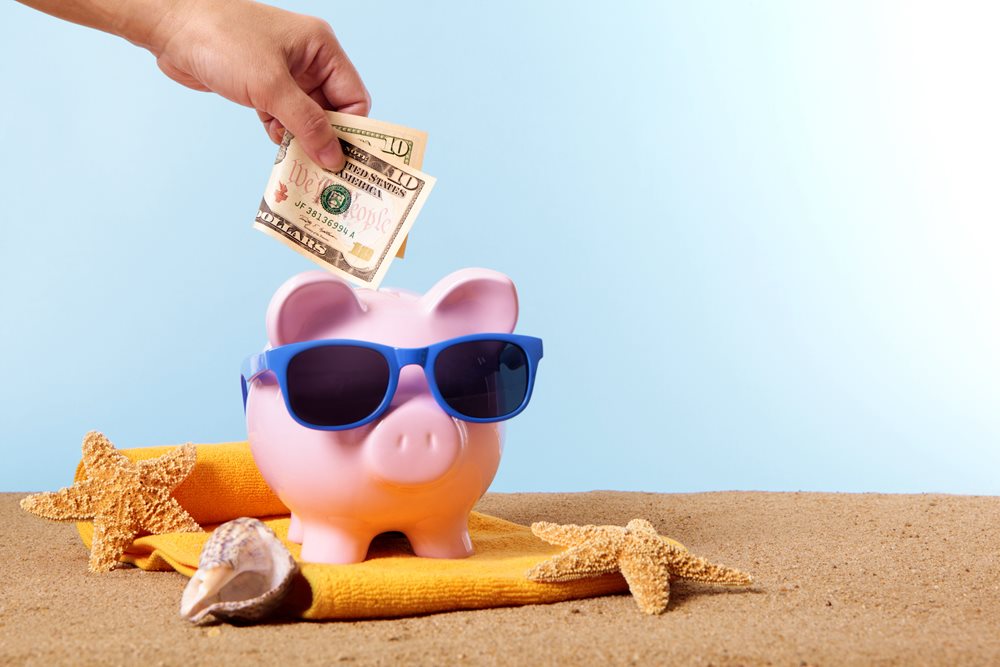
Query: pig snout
x=415 y=444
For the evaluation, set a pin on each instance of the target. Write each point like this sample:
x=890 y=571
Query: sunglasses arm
x=253 y=366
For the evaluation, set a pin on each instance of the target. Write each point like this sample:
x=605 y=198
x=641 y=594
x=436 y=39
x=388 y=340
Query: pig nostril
x=431 y=441
x=400 y=442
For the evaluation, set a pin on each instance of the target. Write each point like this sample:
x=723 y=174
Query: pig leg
x=445 y=537
x=335 y=541
x=295 y=530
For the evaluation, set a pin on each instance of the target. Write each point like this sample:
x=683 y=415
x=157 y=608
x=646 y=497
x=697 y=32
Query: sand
x=843 y=579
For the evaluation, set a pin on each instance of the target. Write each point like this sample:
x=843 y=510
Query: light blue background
x=760 y=240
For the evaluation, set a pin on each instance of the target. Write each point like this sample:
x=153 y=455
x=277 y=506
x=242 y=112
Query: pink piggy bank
x=365 y=415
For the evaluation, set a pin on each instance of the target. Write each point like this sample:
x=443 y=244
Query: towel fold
x=225 y=484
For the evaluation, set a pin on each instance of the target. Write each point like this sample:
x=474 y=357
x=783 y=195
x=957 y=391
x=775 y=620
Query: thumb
x=305 y=119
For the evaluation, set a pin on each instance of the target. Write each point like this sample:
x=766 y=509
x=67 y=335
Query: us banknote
x=351 y=222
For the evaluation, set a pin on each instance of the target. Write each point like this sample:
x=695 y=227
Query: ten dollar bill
x=351 y=222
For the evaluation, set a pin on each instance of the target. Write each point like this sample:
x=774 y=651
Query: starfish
x=123 y=498
x=647 y=560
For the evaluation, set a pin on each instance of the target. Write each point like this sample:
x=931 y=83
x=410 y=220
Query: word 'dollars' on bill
x=353 y=221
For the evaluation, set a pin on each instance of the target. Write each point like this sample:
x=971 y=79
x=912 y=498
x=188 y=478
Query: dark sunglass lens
x=336 y=385
x=483 y=379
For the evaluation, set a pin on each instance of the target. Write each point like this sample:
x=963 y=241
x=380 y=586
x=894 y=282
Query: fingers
x=275 y=131
x=327 y=80
x=343 y=88
x=303 y=117
x=346 y=93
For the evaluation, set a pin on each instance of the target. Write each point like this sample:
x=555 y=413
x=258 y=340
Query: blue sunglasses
x=339 y=384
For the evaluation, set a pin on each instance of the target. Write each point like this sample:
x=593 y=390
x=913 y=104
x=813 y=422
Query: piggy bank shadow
x=300 y=596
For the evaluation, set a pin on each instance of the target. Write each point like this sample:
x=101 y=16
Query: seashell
x=243 y=574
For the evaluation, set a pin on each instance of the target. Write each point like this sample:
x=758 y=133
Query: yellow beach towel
x=225 y=484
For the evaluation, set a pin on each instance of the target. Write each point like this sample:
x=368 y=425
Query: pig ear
x=482 y=298
x=308 y=305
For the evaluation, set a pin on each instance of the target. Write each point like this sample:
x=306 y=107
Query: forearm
x=288 y=67
x=139 y=21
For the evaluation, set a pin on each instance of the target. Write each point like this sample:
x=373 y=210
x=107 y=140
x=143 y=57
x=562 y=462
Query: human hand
x=287 y=66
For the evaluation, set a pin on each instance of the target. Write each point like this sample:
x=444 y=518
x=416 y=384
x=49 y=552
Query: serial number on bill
x=318 y=215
